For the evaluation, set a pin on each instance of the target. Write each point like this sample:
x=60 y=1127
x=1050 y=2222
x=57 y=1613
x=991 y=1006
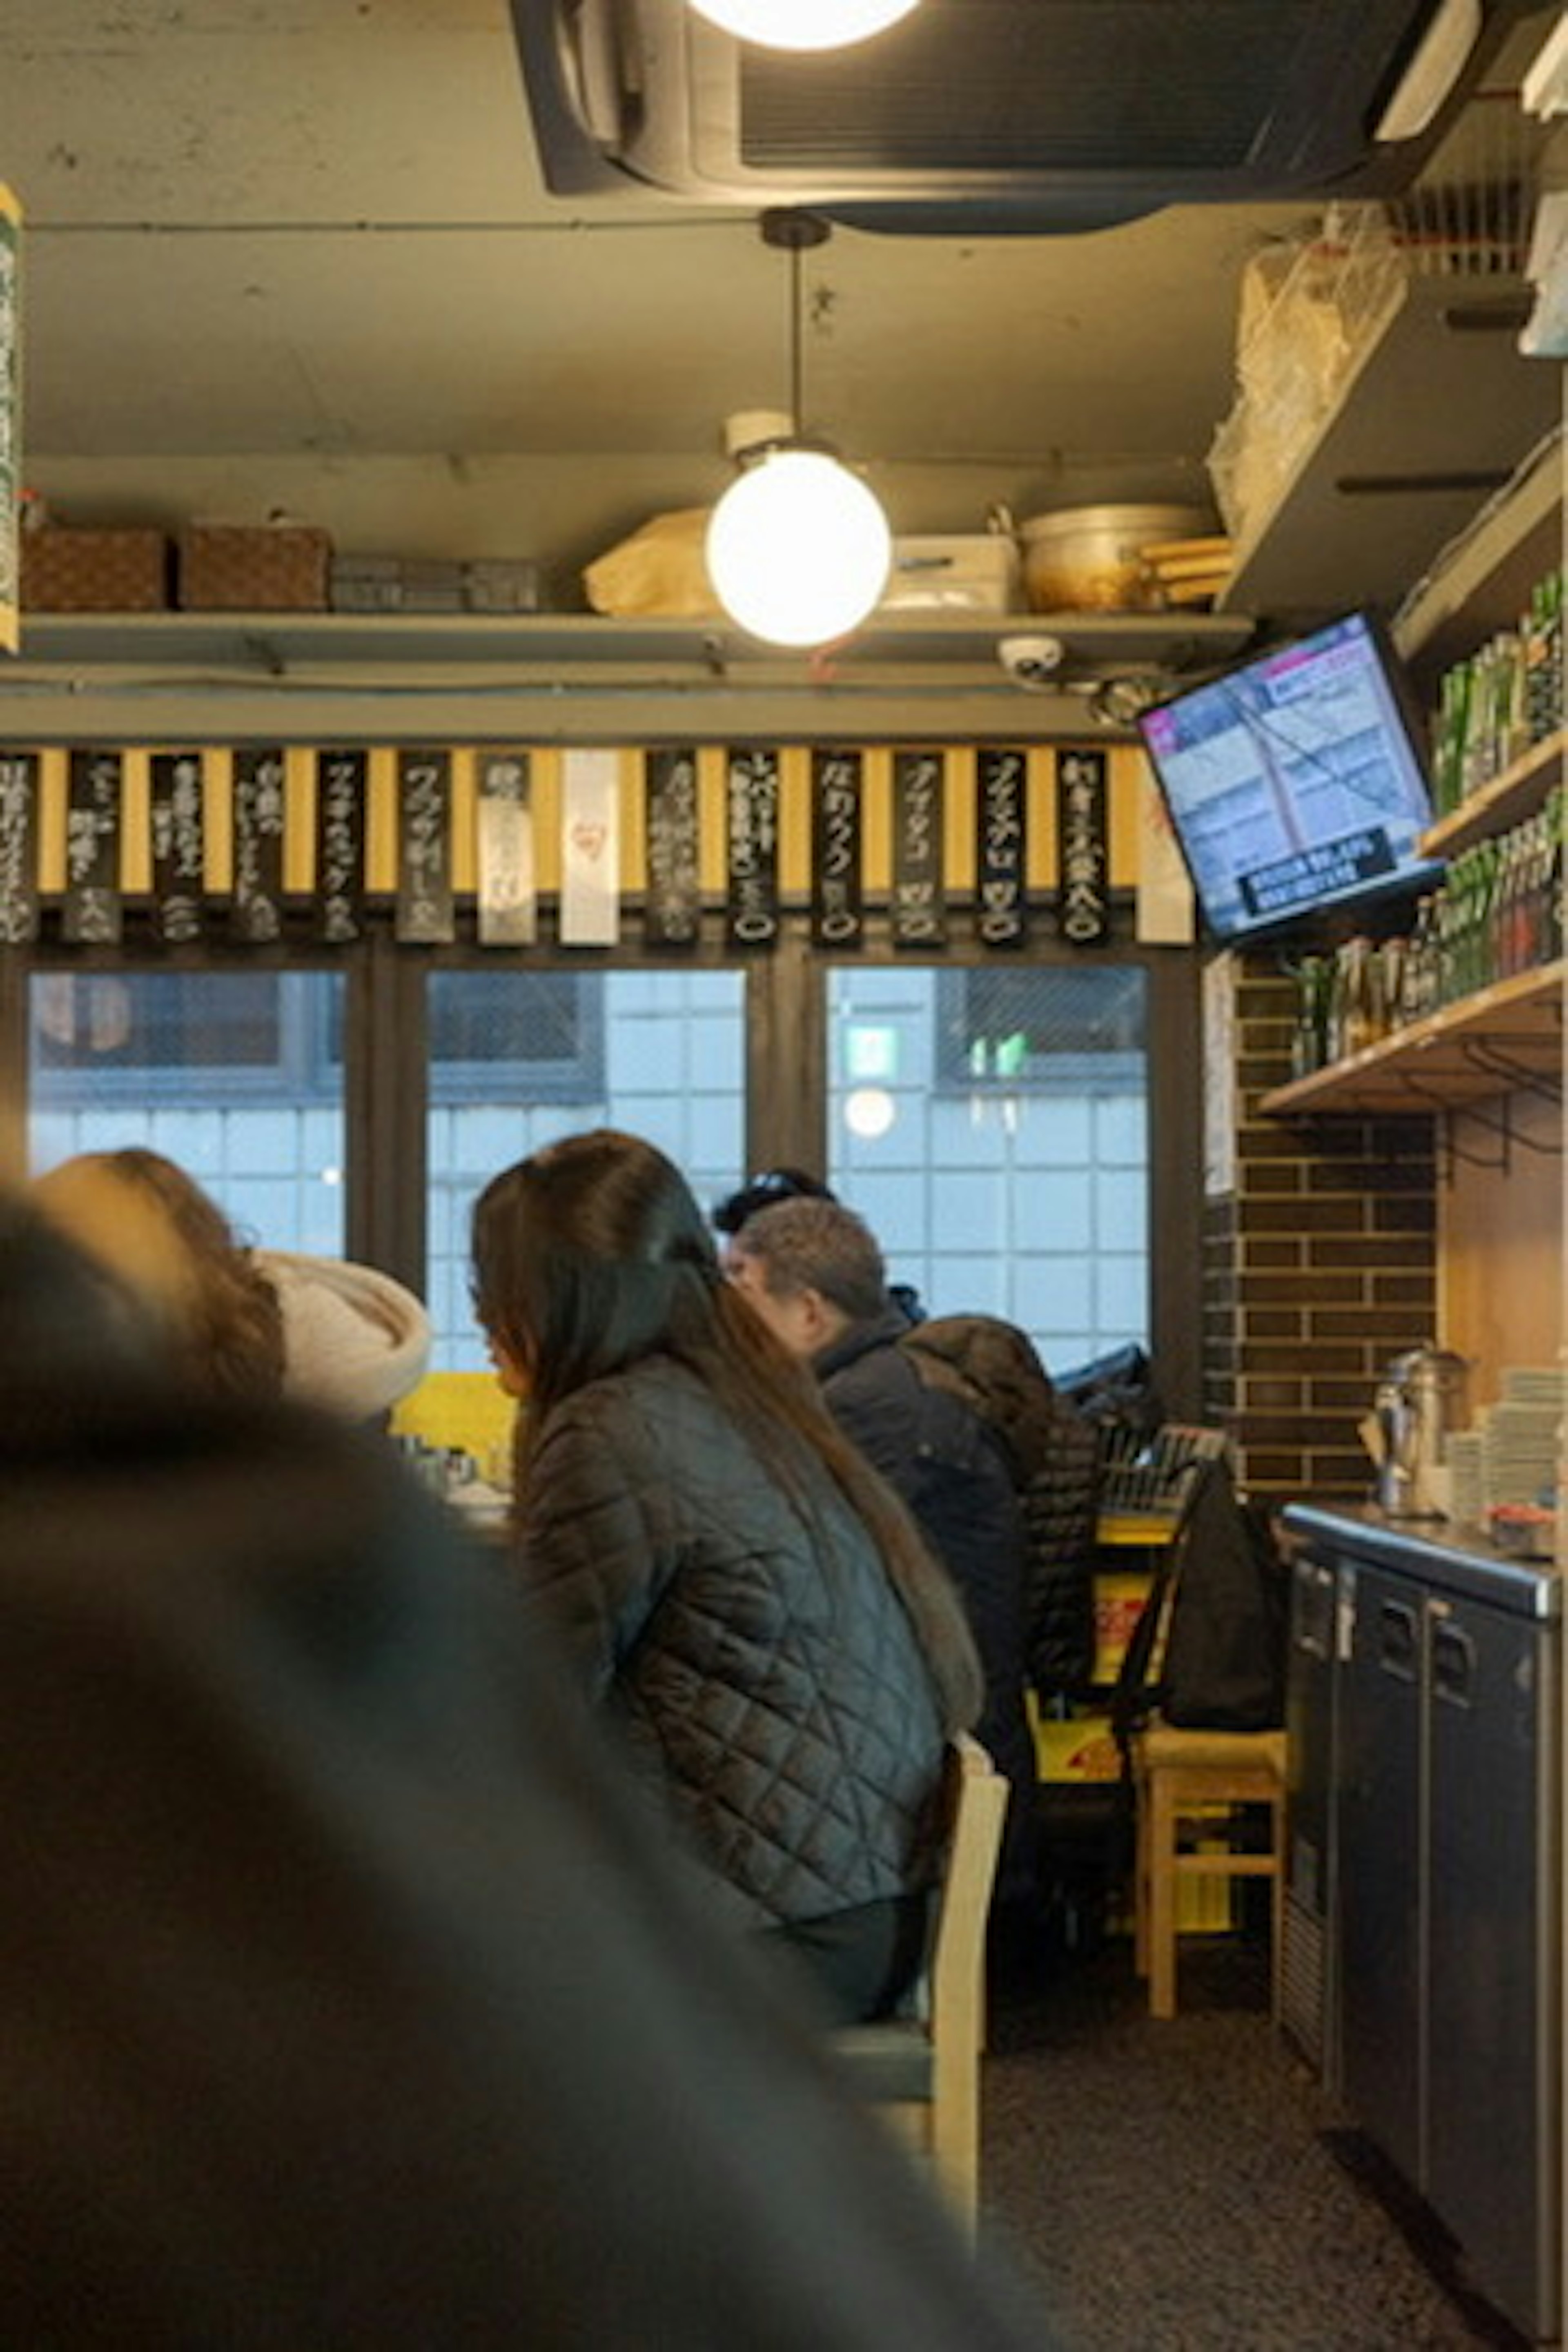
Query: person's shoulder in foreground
x=350 y=1992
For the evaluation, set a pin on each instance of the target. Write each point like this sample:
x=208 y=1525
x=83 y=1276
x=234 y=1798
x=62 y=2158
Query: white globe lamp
x=798 y=549
x=803 y=24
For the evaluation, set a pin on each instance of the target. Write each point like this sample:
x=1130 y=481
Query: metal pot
x=1423 y=1395
x=1091 y=559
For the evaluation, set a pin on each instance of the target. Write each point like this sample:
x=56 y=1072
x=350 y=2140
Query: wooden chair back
x=924 y=2072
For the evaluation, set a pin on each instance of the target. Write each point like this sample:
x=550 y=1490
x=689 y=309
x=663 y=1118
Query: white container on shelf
x=976 y=572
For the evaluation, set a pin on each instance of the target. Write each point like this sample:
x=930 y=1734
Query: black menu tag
x=838 y=820
x=674 y=901
x=507 y=897
x=10 y=423
x=258 y=844
x=752 y=830
x=91 y=912
x=920 y=903
x=18 y=849
x=1001 y=838
x=425 y=915
x=1083 y=887
x=341 y=785
x=176 y=816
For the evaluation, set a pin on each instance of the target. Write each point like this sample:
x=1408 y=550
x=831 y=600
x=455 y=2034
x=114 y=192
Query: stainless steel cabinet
x=1380 y=1821
x=1308 y=1997
x=1440 y=1716
x=1492 y=1979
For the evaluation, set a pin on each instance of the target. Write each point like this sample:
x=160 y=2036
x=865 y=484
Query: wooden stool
x=1177 y=1772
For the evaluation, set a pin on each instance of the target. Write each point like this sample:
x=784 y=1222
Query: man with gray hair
x=814 y=1272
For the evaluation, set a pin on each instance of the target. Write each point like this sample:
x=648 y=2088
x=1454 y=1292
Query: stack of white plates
x=1464 y=1452
x=1522 y=1446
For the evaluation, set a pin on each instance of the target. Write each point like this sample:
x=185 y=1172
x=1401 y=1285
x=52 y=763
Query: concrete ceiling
x=297 y=254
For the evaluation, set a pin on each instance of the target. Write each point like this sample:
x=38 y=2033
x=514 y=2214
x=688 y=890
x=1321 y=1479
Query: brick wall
x=1318 y=1266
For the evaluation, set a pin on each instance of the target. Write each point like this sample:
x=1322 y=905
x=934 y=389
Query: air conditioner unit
x=996 y=115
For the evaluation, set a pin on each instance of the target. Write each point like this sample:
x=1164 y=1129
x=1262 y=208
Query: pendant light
x=798 y=549
x=803 y=24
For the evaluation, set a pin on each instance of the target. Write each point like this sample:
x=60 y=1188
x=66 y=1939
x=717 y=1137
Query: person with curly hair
x=246 y=1321
x=155 y=1227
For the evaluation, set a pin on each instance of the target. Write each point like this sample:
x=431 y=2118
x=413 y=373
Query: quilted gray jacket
x=765 y=1673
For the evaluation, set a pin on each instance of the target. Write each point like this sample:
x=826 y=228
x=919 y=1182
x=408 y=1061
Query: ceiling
x=296 y=256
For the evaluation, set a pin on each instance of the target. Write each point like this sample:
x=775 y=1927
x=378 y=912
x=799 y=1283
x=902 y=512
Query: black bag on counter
x=1209 y=1653
x=1115 y=1391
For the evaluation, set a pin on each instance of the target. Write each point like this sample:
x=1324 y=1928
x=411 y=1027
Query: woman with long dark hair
x=731 y=1579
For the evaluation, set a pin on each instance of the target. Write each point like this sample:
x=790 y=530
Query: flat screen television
x=1296 y=782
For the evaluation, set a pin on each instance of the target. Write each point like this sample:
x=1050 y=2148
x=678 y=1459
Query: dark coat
x=936 y=1449
x=1055 y=1453
x=763 y=1668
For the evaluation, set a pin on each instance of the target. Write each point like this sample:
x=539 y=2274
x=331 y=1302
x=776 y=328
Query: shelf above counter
x=1094 y=645
x=559 y=677
x=1516 y=793
x=1481 y=579
x=1505 y=1036
x=1440 y=408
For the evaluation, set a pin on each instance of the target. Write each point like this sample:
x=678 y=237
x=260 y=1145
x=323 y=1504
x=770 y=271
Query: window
x=992 y=1125
x=1061 y=1029
x=129 y=1036
x=511 y=1064
x=540 y=1034
x=234 y=1075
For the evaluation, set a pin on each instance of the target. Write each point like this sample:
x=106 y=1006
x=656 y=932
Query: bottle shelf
x=1517 y=792
x=1504 y=1036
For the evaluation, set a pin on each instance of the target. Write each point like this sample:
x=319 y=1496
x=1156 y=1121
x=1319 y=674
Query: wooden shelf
x=1481 y=579
x=1505 y=1036
x=1350 y=528
x=1517 y=794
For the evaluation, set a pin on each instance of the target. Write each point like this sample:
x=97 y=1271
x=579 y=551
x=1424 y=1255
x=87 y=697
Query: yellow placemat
x=468 y=1409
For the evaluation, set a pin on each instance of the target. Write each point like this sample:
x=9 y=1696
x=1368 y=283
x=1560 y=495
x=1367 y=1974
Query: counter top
x=1455 y=1559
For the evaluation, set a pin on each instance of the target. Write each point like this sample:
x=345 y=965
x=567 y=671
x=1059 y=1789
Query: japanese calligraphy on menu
x=91 y=909
x=673 y=904
x=752 y=841
x=1083 y=896
x=508 y=891
x=919 y=904
x=257 y=911
x=341 y=782
x=838 y=917
x=175 y=814
x=1001 y=810
x=424 y=913
x=10 y=421
x=18 y=849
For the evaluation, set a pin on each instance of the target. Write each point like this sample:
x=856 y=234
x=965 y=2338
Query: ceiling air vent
x=1031 y=115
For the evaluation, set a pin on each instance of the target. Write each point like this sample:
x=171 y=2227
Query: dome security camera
x=1031 y=662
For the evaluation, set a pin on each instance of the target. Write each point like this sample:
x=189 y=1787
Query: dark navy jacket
x=939 y=1453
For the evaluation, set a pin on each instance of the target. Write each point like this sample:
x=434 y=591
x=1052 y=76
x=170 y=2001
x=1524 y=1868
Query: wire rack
x=1151 y=1474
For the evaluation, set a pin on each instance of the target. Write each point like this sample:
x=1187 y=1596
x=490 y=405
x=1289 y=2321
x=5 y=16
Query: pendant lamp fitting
x=798 y=549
